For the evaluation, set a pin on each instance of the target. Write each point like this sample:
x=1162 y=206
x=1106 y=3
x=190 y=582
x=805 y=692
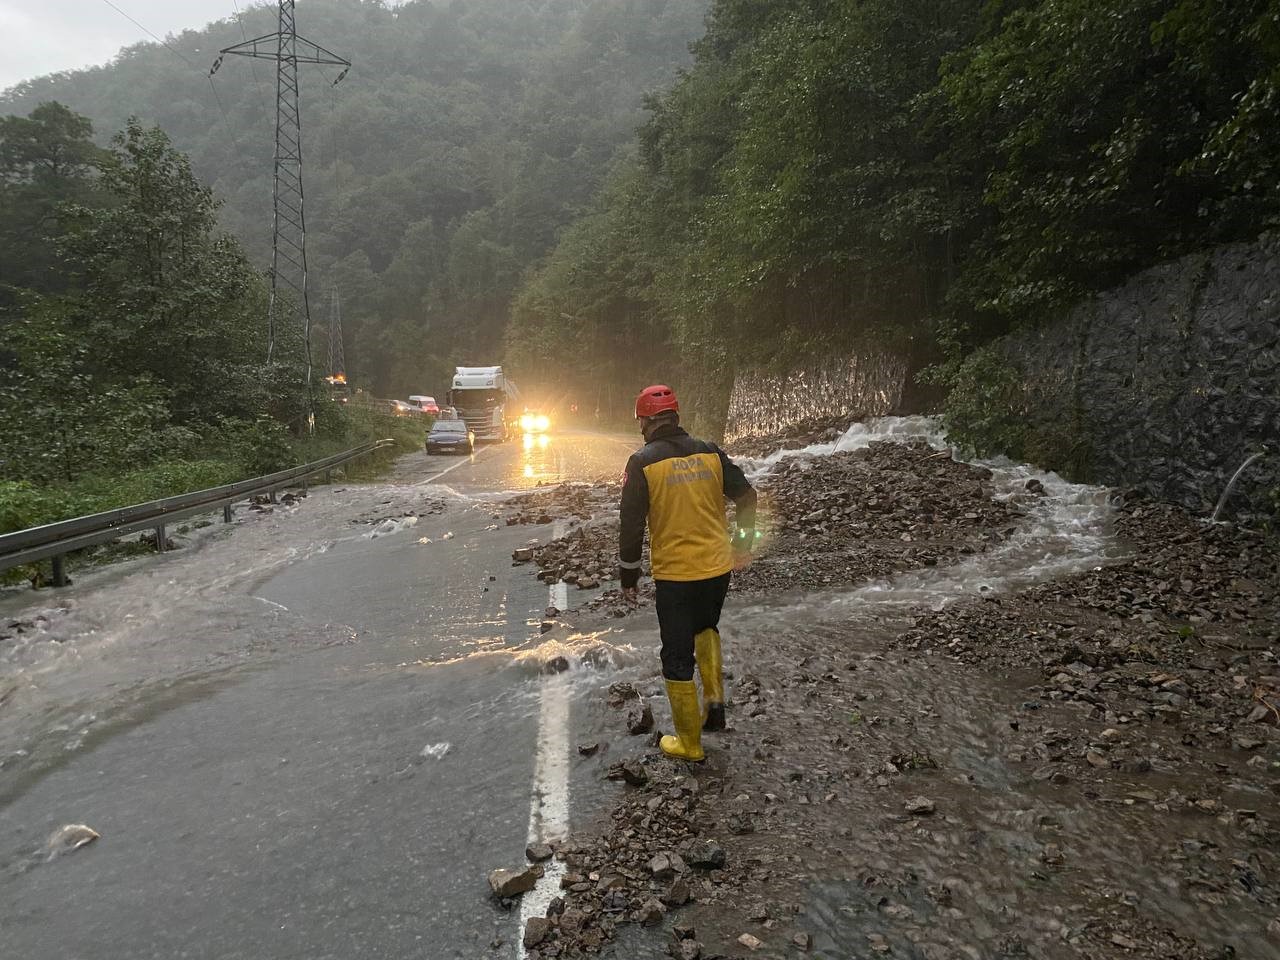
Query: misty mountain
x=465 y=136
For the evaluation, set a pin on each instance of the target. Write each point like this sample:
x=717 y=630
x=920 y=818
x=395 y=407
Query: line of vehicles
x=482 y=405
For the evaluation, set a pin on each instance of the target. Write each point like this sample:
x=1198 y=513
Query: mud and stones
x=1086 y=769
x=831 y=521
x=645 y=868
x=862 y=515
x=562 y=501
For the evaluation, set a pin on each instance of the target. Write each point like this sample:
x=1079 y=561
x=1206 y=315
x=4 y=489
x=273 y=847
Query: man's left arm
x=738 y=489
x=633 y=512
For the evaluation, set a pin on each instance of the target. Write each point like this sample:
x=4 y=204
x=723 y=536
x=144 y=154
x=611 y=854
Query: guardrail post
x=226 y=513
x=304 y=486
x=271 y=495
x=160 y=539
x=328 y=476
x=59 y=571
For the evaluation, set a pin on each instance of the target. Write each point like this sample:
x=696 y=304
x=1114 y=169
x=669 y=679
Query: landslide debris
x=824 y=521
x=561 y=501
x=862 y=515
x=1089 y=768
x=651 y=861
x=1187 y=628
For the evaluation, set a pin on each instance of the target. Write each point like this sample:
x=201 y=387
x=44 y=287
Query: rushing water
x=1066 y=530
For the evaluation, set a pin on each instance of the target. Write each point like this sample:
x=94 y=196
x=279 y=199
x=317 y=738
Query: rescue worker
x=678 y=484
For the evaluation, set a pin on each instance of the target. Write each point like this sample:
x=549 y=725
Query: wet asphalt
x=341 y=785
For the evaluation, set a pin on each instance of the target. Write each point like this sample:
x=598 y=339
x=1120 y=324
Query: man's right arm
x=634 y=512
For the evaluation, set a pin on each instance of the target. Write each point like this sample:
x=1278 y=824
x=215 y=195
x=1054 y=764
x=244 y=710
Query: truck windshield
x=473 y=399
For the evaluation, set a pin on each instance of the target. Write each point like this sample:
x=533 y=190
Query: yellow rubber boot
x=706 y=650
x=687 y=719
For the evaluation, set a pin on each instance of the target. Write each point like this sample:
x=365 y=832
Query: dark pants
x=686 y=608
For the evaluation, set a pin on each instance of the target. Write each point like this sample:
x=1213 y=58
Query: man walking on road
x=679 y=484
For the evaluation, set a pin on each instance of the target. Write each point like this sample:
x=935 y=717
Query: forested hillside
x=920 y=174
x=466 y=134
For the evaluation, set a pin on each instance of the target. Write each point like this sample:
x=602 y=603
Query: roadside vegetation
x=132 y=355
x=440 y=168
x=922 y=175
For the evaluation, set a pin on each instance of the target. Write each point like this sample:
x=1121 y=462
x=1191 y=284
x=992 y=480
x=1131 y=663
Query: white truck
x=486 y=400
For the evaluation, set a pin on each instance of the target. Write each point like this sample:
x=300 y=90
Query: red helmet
x=655 y=400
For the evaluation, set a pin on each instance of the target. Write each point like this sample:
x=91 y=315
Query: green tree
x=163 y=296
x=47 y=159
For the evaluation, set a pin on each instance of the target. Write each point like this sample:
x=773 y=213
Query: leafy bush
x=24 y=504
x=154 y=482
x=259 y=447
x=986 y=409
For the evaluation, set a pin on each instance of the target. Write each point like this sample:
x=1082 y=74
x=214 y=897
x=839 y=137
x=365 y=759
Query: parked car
x=450 y=436
x=427 y=405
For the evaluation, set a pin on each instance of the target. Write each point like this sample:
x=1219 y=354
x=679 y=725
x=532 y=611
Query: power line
x=157 y=39
x=253 y=67
x=226 y=120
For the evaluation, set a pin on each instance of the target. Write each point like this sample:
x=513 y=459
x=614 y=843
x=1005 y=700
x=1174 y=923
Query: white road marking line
x=560 y=589
x=549 y=810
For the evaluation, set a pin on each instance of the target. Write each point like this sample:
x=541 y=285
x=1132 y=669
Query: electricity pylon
x=337 y=356
x=289 y=223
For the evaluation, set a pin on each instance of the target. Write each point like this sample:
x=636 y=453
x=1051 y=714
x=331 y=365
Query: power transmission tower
x=337 y=356
x=289 y=224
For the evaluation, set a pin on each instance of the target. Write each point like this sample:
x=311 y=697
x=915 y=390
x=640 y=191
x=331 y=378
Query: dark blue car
x=450 y=436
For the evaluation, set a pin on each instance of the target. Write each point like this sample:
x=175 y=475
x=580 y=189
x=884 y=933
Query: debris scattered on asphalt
x=70 y=837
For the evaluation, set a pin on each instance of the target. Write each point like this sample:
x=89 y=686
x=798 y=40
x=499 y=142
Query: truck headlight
x=541 y=422
x=527 y=422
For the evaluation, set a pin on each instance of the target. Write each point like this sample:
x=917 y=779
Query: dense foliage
x=466 y=134
x=132 y=354
x=131 y=326
x=926 y=174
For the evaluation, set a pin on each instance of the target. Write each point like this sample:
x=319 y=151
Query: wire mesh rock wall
x=1171 y=381
x=867 y=385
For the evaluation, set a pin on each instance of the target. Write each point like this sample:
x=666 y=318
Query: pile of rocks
x=563 y=501
x=865 y=514
x=826 y=521
x=585 y=557
x=652 y=860
x=1185 y=631
x=1184 y=571
x=1187 y=626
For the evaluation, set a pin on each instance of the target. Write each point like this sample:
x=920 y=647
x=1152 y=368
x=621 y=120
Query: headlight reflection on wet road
x=540 y=461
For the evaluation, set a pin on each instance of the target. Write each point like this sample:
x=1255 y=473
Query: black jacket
x=678 y=484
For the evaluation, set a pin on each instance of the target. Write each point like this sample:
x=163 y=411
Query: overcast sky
x=44 y=36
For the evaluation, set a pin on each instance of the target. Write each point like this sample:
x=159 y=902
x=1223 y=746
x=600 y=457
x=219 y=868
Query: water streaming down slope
x=1067 y=530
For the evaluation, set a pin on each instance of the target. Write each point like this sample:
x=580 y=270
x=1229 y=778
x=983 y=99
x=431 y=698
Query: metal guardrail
x=55 y=540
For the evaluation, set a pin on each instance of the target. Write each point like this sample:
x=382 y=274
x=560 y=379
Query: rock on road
x=297 y=740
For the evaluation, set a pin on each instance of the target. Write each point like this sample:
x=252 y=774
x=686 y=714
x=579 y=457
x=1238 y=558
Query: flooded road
x=312 y=735
x=315 y=734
